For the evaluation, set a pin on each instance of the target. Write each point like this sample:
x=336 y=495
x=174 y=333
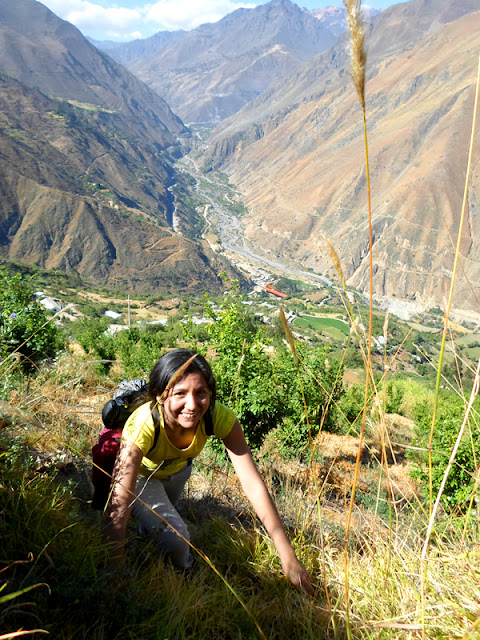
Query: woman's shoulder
x=223 y=419
x=140 y=428
x=141 y=412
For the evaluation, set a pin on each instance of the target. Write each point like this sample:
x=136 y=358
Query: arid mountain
x=334 y=17
x=394 y=30
x=51 y=55
x=86 y=159
x=127 y=52
x=217 y=68
x=298 y=155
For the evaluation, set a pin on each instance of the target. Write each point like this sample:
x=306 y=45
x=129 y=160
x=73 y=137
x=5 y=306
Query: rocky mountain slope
x=127 y=52
x=334 y=18
x=297 y=154
x=86 y=160
x=217 y=68
x=51 y=55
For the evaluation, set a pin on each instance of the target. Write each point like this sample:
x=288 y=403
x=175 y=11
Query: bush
x=24 y=325
x=262 y=384
x=460 y=482
x=350 y=407
x=138 y=350
x=244 y=372
x=91 y=334
x=393 y=397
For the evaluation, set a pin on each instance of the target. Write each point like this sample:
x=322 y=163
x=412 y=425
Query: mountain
x=297 y=155
x=393 y=30
x=86 y=160
x=334 y=18
x=214 y=70
x=51 y=55
x=127 y=52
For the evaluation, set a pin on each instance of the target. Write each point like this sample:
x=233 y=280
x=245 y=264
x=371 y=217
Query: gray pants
x=161 y=496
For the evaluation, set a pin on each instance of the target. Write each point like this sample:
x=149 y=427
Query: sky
x=124 y=20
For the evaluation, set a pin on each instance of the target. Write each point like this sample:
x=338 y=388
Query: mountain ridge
x=87 y=160
x=234 y=59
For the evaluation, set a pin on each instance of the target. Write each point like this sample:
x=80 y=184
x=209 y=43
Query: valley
x=207 y=190
x=267 y=163
x=227 y=222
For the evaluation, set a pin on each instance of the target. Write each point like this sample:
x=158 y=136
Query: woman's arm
x=256 y=491
x=127 y=466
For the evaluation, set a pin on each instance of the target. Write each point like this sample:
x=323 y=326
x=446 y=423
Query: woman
x=158 y=443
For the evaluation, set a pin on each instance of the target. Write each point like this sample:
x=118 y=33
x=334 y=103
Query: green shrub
x=138 y=350
x=350 y=407
x=460 y=482
x=92 y=335
x=393 y=397
x=321 y=382
x=244 y=371
x=262 y=384
x=24 y=325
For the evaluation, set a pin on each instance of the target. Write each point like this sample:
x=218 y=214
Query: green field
x=322 y=323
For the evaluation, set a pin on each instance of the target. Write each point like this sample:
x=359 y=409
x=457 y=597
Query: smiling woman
x=159 y=441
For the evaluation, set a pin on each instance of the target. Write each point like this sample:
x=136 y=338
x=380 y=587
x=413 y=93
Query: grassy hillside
x=368 y=442
x=55 y=565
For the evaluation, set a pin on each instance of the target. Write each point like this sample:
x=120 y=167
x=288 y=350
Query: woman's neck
x=180 y=437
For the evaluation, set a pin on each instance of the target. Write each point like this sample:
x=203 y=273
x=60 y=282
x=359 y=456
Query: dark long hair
x=165 y=368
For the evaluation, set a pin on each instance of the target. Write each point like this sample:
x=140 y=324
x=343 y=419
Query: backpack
x=130 y=394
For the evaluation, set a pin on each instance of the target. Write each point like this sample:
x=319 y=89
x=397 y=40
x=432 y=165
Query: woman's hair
x=168 y=364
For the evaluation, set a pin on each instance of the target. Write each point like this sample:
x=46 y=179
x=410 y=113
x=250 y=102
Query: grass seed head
x=336 y=262
x=358 y=54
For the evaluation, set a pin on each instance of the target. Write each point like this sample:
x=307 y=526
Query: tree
x=261 y=383
x=244 y=371
x=92 y=335
x=139 y=349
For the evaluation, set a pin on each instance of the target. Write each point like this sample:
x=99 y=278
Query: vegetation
x=25 y=332
x=461 y=485
x=376 y=479
x=264 y=388
x=55 y=556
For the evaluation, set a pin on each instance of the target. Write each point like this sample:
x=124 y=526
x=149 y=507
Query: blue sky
x=125 y=20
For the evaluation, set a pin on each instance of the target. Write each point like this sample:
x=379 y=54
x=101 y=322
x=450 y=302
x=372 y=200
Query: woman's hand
x=298 y=575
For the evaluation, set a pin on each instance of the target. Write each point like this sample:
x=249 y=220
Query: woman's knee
x=174 y=546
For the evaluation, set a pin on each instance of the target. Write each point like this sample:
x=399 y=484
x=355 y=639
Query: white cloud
x=188 y=14
x=141 y=20
x=118 y=23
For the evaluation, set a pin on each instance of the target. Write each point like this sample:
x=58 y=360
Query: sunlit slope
x=302 y=170
x=87 y=158
x=215 y=69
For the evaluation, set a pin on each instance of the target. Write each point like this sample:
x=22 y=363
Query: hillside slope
x=87 y=158
x=51 y=55
x=127 y=52
x=65 y=202
x=298 y=157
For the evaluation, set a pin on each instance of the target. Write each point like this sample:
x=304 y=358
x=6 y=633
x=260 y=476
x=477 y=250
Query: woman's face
x=187 y=402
